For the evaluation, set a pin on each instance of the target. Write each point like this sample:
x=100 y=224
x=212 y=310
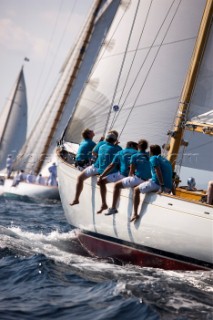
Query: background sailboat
x=39 y=150
x=142 y=72
x=13 y=121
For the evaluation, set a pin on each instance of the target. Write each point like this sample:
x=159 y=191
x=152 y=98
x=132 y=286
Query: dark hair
x=142 y=144
x=155 y=149
x=86 y=133
x=111 y=137
x=132 y=144
x=114 y=132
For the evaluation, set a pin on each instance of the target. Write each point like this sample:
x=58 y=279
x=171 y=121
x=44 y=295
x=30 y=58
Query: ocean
x=45 y=274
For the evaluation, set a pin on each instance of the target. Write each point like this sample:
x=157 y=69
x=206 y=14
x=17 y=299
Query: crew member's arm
x=160 y=179
x=132 y=169
x=107 y=170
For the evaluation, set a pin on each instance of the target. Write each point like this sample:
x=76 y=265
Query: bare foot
x=103 y=207
x=134 y=218
x=74 y=202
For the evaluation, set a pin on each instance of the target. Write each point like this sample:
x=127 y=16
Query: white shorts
x=113 y=177
x=131 y=182
x=151 y=186
x=148 y=186
x=90 y=171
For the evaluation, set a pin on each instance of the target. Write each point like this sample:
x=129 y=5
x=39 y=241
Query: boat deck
x=198 y=196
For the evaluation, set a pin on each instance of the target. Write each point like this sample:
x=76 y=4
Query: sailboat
x=13 y=123
x=38 y=152
x=156 y=68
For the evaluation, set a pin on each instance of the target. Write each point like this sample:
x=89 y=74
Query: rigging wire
x=47 y=53
x=155 y=57
x=106 y=46
x=150 y=69
x=137 y=75
x=60 y=42
x=131 y=65
x=48 y=115
x=122 y=64
x=51 y=66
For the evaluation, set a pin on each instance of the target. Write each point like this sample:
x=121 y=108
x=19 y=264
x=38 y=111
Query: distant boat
x=150 y=48
x=13 y=122
x=38 y=151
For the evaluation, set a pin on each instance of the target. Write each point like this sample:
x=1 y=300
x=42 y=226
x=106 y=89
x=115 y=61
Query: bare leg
x=210 y=193
x=136 y=200
x=79 y=188
x=116 y=193
x=102 y=185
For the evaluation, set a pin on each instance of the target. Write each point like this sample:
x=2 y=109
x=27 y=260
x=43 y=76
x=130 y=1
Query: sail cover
x=205 y=118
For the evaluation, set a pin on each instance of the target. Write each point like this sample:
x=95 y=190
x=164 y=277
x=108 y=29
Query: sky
x=44 y=31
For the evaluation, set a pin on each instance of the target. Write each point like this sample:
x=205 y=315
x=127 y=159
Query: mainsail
x=13 y=121
x=129 y=72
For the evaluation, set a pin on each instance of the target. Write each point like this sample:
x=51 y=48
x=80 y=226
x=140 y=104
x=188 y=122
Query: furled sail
x=202 y=123
x=206 y=118
x=136 y=83
x=13 y=121
x=53 y=119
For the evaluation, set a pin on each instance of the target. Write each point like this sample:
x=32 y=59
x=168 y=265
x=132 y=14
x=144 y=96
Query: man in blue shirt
x=98 y=167
x=100 y=143
x=161 y=180
x=9 y=163
x=52 y=180
x=118 y=169
x=84 y=153
x=139 y=172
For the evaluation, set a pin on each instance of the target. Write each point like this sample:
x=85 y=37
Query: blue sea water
x=45 y=274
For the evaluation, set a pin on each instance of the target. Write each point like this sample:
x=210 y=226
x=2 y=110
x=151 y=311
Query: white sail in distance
x=13 y=121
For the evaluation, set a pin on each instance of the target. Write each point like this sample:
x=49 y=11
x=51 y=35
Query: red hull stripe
x=105 y=247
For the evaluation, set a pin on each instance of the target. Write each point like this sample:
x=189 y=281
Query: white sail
x=13 y=121
x=142 y=71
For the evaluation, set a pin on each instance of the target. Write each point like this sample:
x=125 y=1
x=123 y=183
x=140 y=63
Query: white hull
x=168 y=226
x=31 y=190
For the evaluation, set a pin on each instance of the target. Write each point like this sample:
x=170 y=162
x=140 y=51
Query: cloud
x=15 y=38
x=11 y=35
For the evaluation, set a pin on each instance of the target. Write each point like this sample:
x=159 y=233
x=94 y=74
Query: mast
x=79 y=59
x=11 y=104
x=178 y=130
